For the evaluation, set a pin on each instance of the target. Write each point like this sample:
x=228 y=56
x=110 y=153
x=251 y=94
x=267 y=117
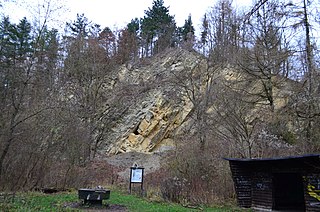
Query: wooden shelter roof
x=309 y=156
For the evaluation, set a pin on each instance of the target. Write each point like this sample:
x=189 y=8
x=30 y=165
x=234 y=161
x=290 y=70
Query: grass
x=35 y=201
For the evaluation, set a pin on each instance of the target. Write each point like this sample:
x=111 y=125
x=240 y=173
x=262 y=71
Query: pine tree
x=188 y=29
x=134 y=26
x=22 y=38
x=204 y=33
x=80 y=27
x=157 y=28
x=6 y=45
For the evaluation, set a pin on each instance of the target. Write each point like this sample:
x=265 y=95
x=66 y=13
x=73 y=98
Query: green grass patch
x=57 y=202
x=35 y=201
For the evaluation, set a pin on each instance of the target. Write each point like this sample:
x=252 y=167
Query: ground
x=109 y=207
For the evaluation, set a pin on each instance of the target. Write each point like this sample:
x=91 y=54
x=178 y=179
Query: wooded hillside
x=247 y=87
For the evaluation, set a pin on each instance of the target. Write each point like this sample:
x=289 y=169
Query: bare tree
x=264 y=54
x=239 y=118
x=222 y=26
x=302 y=58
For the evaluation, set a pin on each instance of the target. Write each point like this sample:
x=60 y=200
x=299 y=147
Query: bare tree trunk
x=9 y=141
x=4 y=154
x=310 y=72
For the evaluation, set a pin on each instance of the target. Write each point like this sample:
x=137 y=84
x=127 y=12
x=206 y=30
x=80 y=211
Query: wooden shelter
x=277 y=184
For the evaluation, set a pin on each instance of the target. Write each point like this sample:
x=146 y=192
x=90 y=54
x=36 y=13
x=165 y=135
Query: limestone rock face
x=152 y=120
x=170 y=87
x=168 y=92
x=150 y=127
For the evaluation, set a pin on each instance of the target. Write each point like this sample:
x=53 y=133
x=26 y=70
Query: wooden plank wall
x=242 y=183
x=262 y=191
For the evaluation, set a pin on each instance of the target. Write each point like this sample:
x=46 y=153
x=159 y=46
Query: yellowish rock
x=143 y=126
x=135 y=139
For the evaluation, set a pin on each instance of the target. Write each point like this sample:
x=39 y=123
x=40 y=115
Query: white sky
x=118 y=13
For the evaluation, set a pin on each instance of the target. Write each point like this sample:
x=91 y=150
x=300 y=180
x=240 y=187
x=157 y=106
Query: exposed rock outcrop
x=150 y=123
x=163 y=108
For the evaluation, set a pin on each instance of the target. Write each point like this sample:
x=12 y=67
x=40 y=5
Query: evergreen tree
x=157 y=28
x=134 y=26
x=204 y=33
x=6 y=44
x=187 y=30
x=80 y=27
x=47 y=45
x=22 y=39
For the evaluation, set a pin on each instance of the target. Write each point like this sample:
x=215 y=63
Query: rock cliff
x=152 y=121
x=160 y=112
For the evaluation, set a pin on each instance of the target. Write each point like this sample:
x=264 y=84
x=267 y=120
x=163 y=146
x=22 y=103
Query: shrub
x=197 y=177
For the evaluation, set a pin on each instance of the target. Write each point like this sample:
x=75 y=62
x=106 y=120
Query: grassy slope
x=56 y=202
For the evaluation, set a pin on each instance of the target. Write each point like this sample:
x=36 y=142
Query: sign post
x=136 y=177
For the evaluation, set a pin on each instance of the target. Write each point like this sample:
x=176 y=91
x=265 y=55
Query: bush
x=197 y=177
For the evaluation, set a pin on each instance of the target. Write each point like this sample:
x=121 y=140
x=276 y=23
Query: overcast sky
x=118 y=13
